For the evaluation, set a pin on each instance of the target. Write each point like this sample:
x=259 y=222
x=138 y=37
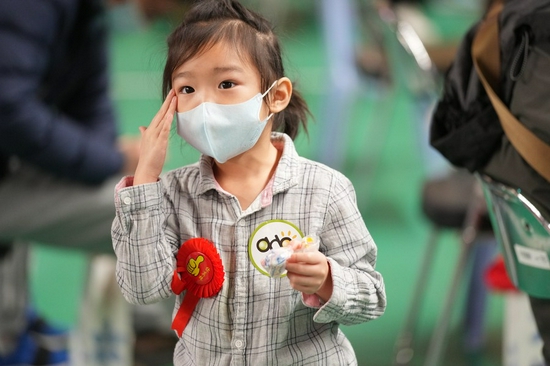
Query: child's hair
x=212 y=21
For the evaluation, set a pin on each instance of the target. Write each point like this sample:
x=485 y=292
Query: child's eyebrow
x=222 y=69
x=181 y=75
x=216 y=70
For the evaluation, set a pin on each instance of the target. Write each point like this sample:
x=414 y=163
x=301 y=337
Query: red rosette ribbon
x=199 y=270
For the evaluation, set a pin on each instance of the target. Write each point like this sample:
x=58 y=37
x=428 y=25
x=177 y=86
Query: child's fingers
x=305 y=284
x=303 y=257
x=302 y=269
x=161 y=123
x=307 y=264
x=159 y=117
x=168 y=117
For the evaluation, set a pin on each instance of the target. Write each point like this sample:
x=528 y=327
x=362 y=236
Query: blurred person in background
x=60 y=150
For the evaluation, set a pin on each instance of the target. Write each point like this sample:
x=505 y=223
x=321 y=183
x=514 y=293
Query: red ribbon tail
x=177 y=284
x=184 y=313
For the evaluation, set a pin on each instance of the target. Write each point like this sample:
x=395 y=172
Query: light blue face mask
x=223 y=131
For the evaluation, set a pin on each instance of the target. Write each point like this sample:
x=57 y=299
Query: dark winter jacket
x=55 y=110
x=465 y=128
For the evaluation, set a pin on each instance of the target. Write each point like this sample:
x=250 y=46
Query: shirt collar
x=285 y=173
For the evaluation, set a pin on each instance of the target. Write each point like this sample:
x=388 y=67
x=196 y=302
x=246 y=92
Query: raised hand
x=154 y=142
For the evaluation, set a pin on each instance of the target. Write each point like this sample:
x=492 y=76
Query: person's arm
x=74 y=135
x=145 y=241
x=145 y=230
x=358 y=293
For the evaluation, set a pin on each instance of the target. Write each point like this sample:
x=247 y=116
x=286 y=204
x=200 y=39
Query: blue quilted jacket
x=55 y=110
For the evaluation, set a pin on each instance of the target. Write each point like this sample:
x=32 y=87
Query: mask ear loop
x=271 y=87
x=264 y=94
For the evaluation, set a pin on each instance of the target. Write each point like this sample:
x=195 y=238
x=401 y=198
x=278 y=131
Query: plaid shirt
x=254 y=319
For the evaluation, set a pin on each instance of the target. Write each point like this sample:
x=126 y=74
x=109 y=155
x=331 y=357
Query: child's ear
x=280 y=95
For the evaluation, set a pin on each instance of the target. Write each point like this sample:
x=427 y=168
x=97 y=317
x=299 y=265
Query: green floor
x=383 y=161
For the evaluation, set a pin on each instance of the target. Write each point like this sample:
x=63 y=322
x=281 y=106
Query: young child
x=249 y=193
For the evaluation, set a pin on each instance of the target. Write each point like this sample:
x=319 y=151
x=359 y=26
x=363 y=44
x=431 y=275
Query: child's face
x=217 y=75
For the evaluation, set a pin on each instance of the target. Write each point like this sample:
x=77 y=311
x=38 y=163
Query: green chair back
x=523 y=233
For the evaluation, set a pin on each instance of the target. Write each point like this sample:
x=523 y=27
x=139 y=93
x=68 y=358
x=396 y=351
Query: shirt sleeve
x=55 y=110
x=144 y=241
x=358 y=289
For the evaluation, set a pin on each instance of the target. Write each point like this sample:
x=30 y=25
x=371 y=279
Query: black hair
x=212 y=21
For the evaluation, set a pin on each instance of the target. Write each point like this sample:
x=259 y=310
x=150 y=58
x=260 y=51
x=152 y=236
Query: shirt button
x=238 y=344
x=127 y=200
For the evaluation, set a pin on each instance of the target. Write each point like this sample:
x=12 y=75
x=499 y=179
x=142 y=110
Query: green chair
x=523 y=232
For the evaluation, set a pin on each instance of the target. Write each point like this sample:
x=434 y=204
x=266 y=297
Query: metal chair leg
x=404 y=346
x=437 y=345
x=438 y=341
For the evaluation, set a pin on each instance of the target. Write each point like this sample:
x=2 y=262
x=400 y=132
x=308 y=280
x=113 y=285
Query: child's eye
x=187 y=90
x=226 y=85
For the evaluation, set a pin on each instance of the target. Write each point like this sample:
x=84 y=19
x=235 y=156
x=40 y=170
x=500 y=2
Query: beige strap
x=486 y=56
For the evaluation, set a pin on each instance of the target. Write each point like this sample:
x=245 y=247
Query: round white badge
x=270 y=234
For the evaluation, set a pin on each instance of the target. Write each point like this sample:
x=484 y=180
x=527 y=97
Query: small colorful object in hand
x=275 y=259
